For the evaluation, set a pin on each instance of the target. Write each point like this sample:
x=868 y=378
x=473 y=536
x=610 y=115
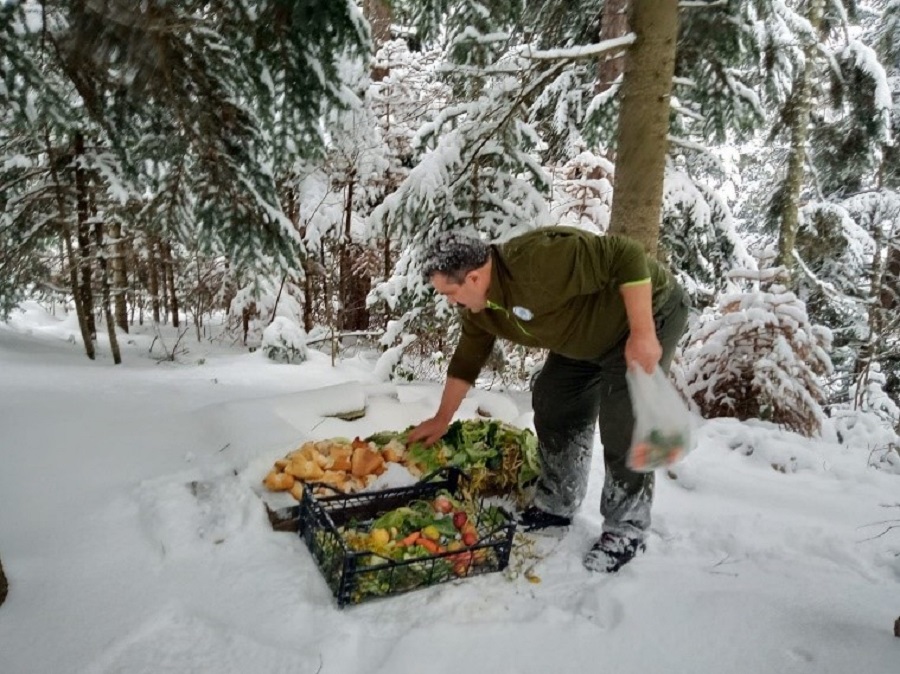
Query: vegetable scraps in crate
x=366 y=552
x=500 y=459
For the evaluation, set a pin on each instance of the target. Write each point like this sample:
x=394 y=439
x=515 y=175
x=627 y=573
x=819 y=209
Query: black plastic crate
x=357 y=576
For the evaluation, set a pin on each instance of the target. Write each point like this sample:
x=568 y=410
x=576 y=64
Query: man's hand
x=642 y=346
x=643 y=349
x=429 y=431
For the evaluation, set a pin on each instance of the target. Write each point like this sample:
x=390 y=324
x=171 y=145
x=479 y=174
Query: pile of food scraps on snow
x=498 y=458
x=347 y=466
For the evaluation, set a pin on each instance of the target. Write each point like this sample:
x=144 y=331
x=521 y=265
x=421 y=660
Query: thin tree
x=105 y=290
x=119 y=265
x=800 y=109
x=4 y=585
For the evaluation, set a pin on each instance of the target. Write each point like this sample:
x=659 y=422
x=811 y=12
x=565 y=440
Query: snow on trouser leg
x=626 y=505
x=628 y=496
x=565 y=463
x=565 y=400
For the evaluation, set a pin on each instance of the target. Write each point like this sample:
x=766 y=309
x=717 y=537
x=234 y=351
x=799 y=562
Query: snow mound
x=184 y=516
x=175 y=641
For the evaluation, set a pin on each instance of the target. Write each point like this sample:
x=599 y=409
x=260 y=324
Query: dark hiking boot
x=611 y=552
x=535 y=519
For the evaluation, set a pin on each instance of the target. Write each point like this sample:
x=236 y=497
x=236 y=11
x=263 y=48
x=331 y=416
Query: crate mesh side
x=357 y=576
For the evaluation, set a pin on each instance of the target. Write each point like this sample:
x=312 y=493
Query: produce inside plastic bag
x=662 y=422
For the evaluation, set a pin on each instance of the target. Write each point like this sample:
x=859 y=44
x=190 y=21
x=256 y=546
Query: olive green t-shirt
x=556 y=288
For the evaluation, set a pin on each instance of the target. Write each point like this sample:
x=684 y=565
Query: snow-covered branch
x=586 y=51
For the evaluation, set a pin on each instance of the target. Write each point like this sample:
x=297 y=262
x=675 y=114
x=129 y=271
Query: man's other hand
x=429 y=431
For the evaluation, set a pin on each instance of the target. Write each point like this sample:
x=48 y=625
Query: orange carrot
x=429 y=545
x=639 y=456
x=412 y=538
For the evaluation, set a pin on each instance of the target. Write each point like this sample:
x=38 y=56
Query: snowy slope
x=135 y=540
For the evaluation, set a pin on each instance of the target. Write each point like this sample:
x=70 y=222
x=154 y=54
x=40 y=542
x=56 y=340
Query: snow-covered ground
x=117 y=563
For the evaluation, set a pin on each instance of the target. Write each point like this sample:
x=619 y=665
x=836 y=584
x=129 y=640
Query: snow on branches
x=756 y=355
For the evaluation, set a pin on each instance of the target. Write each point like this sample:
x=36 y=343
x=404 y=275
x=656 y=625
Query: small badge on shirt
x=523 y=313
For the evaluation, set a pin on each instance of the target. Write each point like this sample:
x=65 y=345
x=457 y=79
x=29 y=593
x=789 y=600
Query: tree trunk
x=799 y=128
x=644 y=122
x=138 y=283
x=169 y=268
x=307 y=296
x=4 y=585
x=890 y=288
x=76 y=295
x=613 y=24
x=118 y=264
x=163 y=279
x=66 y=235
x=327 y=301
x=388 y=261
x=153 y=276
x=378 y=13
x=105 y=294
x=346 y=264
x=84 y=236
x=883 y=285
x=356 y=313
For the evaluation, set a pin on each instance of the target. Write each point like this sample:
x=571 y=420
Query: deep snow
x=117 y=563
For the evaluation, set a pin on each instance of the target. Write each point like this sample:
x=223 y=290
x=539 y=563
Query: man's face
x=469 y=294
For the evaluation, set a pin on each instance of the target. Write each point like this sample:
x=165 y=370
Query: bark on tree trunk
x=153 y=277
x=138 y=282
x=644 y=122
x=169 y=269
x=388 y=262
x=4 y=584
x=84 y=236
x=356 y=313
x=105 y=294
x=346 y=268
x=307 y=296
x=163 y=280
x=66 y=235
x=613 y=24
x=117 y=262
x=799 y=127
x=326 y=298
x=76 y=295
x=378 y=13
x=883 y=283
x=890 y=289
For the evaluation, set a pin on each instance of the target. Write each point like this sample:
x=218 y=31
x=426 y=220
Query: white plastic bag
x=662 y=422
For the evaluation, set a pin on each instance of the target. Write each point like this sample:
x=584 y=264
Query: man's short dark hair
x=454 y=255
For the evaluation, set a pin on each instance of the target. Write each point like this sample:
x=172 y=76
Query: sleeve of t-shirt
x=612 y=261
x=471 y=353
x=628 y=260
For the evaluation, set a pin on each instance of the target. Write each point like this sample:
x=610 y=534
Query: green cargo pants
x=569 y=398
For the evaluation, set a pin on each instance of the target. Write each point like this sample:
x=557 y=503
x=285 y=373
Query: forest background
x=276 y=167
